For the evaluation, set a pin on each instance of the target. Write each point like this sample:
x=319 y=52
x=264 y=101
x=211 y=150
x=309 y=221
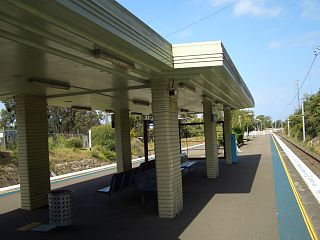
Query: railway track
x=311 y=161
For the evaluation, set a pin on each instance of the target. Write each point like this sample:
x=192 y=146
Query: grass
x=64 y=160
x=315 y=148
x=63 y=154
x=191 y=141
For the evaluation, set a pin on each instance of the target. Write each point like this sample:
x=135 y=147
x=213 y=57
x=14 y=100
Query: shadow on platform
x=127 y=218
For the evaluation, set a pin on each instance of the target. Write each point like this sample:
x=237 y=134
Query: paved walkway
x=240 y=204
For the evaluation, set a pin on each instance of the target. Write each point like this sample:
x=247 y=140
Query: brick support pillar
x=123 y=144
x=166 y=131
x=227 y=134
x=32 y=129
x=210 y=133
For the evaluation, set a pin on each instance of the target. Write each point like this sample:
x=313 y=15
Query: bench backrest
x=147 y=165
x=184 y=157
x=116 y=182
x=127 y=180
x=146 y=181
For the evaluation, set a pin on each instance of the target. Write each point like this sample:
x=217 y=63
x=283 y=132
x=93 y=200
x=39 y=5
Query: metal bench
x=185 y=163
x=145 y=181
x=119 y=182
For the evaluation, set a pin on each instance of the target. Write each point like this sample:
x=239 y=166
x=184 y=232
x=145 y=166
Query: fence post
x=90 y=139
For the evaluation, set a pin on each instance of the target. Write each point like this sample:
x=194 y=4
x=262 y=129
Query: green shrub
x=137 y=147
x=103 y=135
x=220 y=135
x=60 y=141
x=102 y=153
x=51 y=143
x=74 y=142
x=97 y=154
x=239 y=134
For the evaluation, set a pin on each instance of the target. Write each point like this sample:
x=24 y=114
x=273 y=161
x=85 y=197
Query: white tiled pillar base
x=210 y=133
x=227 y=134
x=122 y=134
x=32 y=129
x=166 y=131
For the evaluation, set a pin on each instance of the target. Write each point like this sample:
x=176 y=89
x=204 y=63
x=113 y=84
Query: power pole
x=288 y=127
x=298 y=92
x=303 y=123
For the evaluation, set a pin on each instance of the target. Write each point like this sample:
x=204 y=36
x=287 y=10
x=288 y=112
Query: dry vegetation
x=65 y=160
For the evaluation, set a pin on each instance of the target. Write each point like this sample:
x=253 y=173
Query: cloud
x=309 y=39
x=185 y=33
x=310 y=9
x=217 y=3
x=254 y=8
x=275 y=44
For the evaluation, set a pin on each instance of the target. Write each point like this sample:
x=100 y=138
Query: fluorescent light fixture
x=45 y=82
x=141 y=102
x=83 y=108
x=187 y=87
x=98 y=53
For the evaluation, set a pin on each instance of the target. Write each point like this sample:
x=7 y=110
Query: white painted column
x=32 y=129
x=227 y=134
x=210 y=133
x=166 y=131
x=123 y=144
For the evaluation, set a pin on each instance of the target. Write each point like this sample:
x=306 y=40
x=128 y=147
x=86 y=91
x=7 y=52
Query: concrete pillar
x=166 y=131
x=210 y=133
x=122 y=135
x=227 y=134
x=32 y=129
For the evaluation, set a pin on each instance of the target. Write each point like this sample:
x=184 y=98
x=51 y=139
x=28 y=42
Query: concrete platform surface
x=240 y=204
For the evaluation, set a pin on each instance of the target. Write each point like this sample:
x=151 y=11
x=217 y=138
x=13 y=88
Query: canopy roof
x=104 y=57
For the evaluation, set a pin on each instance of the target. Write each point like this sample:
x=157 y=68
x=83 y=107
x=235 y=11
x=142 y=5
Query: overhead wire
x=203 y=18
x=304 y=80
x=166 y=11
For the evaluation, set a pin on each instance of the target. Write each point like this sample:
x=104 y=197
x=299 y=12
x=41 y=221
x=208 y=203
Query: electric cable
x=204 y=18
x=304 y=80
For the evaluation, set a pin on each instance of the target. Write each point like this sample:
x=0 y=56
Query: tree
x=312 y=118
x=278 y=124
x=263 y=122
x=71 y=121
x=8 y=115
x=136 y=122
x=60 y=120
x=243 y=119
x=312 y=114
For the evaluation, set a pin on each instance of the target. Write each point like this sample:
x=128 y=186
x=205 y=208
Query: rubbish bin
x=60 y=207
x=234 y=148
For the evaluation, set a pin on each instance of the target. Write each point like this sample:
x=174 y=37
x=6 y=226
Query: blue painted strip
x=290 y=220
x=9 y=193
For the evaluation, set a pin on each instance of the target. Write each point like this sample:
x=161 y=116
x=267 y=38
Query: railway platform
x=252 y=199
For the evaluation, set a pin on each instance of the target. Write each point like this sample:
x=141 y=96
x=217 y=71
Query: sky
x=270 y=42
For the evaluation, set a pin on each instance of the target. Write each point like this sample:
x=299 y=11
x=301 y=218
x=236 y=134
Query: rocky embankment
x=68 y=167
x=9 y=174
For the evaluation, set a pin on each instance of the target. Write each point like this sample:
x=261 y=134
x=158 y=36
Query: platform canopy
x=97 y=55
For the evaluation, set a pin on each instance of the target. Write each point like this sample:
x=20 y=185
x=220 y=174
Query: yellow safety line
x=306 y=218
